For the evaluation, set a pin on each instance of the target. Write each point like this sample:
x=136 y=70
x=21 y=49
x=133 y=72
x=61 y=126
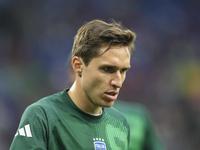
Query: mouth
x=112 y=95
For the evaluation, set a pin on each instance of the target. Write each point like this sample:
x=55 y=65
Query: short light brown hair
x=97 y=34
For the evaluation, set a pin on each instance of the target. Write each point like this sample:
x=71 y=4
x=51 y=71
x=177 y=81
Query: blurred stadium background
x=36 y=37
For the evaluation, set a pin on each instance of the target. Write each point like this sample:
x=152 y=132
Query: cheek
x=90 y=82
x=93 y=80
x=96 y=85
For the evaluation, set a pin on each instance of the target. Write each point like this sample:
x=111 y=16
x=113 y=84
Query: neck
x=81 y=100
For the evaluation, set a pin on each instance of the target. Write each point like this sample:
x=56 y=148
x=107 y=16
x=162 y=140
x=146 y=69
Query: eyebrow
x=127 y=68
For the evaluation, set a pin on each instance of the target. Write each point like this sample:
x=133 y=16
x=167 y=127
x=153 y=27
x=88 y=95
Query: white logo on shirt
x=26 y=132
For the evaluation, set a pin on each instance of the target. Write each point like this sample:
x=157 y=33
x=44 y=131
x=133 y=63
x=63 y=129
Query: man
x=80 y=117
x=143 y=135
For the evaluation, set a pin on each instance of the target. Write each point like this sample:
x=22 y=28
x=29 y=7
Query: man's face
x=102 y=79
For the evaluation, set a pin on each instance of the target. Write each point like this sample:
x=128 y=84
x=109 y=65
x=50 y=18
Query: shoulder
x=135 y=113
x=43 y=103
x=115 y=113
x=44 y=107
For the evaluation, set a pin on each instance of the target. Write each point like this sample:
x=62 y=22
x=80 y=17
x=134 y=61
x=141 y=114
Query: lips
x=112 y=95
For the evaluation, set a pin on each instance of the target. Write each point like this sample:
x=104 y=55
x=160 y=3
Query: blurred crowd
x=36 y=37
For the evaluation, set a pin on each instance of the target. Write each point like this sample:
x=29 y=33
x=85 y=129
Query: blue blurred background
x=36 y=37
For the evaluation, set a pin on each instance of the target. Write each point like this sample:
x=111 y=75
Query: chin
x=108 y=104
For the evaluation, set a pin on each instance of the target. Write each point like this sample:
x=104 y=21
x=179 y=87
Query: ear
x=77 y=65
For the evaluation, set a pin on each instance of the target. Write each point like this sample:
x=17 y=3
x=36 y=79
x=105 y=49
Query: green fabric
x=56 y=123
x=142 y=133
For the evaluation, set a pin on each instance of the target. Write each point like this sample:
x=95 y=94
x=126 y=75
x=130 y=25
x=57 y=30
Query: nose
x=117 y=80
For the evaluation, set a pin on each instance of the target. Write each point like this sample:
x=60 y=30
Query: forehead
x=114 y=48
x=113 y=56
x=104 y=49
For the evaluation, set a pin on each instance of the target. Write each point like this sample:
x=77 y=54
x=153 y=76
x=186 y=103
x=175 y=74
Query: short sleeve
x=32 y=130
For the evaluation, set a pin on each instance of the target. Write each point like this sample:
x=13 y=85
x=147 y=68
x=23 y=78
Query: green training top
x=56 y=123
x=143 y=135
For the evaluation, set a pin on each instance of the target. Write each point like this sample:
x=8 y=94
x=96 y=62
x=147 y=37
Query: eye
x=123 y=70
x=109 y=69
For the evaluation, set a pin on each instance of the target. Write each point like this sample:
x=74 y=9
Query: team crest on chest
x=99 y=144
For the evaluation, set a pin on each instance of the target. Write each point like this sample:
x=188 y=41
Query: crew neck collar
x=74 y=109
